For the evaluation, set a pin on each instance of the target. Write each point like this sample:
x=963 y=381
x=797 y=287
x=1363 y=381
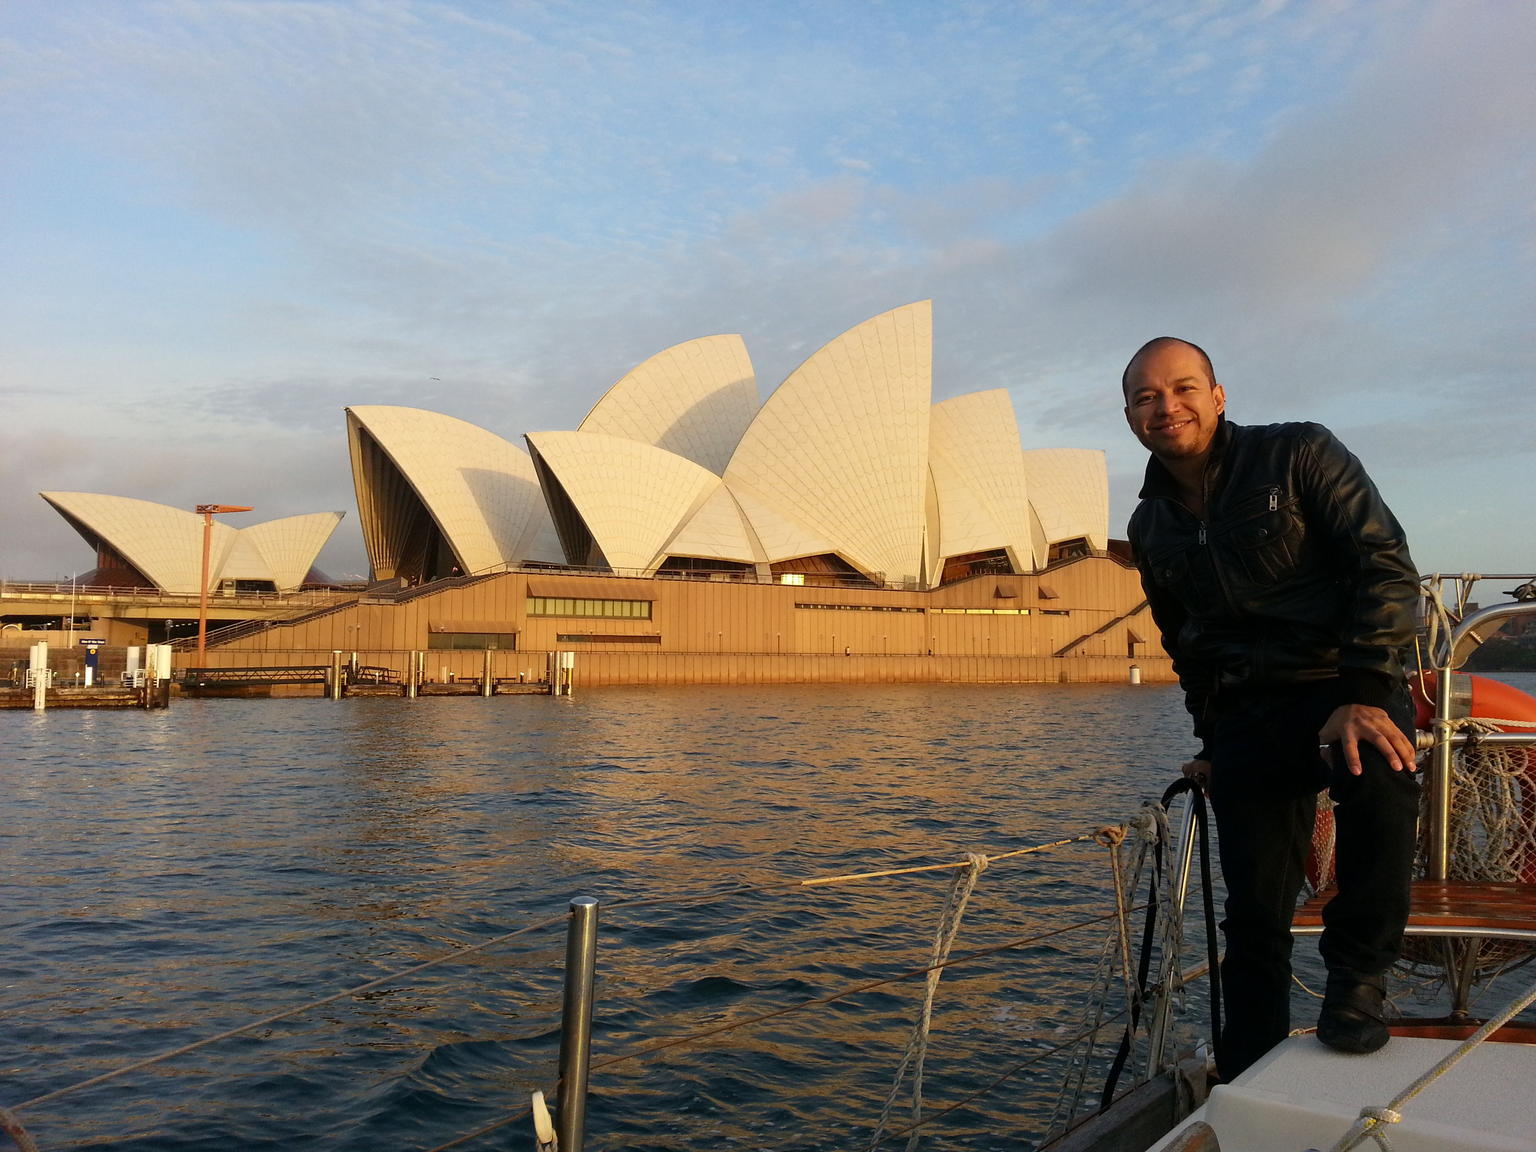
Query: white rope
x=960 y=889
x=1372 y=1120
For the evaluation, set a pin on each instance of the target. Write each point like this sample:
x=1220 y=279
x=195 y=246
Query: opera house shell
x=142 y=544
x=847 y=473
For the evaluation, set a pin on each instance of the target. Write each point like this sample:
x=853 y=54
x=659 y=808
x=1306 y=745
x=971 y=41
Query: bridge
x=31 y=600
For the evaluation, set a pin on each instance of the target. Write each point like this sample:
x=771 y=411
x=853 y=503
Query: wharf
x=231 y=689
x=93 y=697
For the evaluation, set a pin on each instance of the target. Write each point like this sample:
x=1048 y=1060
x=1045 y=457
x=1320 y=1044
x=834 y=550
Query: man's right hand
x=1200 y=772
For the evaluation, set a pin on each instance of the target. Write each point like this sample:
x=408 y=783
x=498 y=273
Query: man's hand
x=1200 y=772
x=1352 y=723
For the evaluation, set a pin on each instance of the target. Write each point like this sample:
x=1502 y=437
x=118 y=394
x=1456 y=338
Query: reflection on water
x=171 y=874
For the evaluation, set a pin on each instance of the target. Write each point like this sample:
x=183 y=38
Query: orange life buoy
x=1479 y=697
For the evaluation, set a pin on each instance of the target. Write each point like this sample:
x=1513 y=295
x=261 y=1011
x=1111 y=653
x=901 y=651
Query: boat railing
x=1450 y=646
x=577 y=1053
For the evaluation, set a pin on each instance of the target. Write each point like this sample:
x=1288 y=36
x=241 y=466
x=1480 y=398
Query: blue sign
x=94 y=642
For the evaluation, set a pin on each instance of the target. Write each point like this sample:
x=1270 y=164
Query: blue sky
x=222 y=221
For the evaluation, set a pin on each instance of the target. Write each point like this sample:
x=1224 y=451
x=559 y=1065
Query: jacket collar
x=1158 y=484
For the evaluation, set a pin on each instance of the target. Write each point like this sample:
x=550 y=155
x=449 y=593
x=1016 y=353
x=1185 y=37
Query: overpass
x=31 y=603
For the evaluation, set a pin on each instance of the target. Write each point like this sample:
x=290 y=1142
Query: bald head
x=1133 y=369
x=1173 y=403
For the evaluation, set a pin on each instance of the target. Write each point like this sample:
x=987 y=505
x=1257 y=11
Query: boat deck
x=1506 y=911
x=1302 y=1095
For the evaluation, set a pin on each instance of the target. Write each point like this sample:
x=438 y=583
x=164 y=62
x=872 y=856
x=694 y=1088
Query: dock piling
x=39 y=675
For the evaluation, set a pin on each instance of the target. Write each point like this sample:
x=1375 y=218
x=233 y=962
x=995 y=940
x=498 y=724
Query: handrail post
x=576 y=1023
x=1178 y=892
x=1439 y=861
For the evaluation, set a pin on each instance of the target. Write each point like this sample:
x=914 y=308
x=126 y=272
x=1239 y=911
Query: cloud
x=371 y=196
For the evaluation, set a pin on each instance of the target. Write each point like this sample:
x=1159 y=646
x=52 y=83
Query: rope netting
x=1493 y=819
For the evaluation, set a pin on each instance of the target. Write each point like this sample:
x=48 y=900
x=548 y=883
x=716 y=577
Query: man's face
x=1171 y=403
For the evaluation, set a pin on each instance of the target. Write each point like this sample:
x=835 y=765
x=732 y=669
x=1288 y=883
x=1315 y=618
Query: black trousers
x=1266 y=772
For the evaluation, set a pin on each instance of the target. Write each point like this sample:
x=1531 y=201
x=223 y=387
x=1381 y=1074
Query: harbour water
x=168 y=875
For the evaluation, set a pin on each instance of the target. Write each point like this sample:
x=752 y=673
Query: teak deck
x=1450 y=909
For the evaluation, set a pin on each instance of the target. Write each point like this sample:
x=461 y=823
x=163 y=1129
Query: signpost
x=92 y=645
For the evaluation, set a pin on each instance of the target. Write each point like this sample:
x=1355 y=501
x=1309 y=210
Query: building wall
x=714 y=631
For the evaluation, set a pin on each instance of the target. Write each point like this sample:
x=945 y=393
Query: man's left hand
x=1352 y=723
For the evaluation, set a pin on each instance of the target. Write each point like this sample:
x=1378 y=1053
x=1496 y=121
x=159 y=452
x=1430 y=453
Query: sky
x=223 y=221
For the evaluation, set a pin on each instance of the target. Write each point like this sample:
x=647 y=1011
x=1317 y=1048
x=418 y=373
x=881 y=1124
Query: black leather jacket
x=1299 y=571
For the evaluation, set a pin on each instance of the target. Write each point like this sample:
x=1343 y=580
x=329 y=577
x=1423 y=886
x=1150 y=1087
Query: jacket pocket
x=1264 y=537
x=1185 y=574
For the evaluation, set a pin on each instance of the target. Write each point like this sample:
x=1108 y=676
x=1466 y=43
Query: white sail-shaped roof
x=1069 y=492
x=631 y=498
x=479 y=489
x=778 y=534
x=979 y=479
x=694 y=399
x=841 y=447
x=165 y=544
x=289 y=546
x=717 y=531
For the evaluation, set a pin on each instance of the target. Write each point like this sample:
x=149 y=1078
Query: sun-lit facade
x=847 y=472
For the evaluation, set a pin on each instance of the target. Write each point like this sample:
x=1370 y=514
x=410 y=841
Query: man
x=1284 y=592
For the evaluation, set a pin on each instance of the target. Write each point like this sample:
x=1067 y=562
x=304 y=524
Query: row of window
x=981 y=611
x=601 y=638
x=459 y=641
x=570 y=606
x=576 y=606
x=860 y=607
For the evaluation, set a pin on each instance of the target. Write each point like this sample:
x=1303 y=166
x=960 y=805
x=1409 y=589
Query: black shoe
x=1353 y=1018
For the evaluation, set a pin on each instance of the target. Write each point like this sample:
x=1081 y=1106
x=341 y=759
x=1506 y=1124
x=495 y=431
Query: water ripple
x=169 y=875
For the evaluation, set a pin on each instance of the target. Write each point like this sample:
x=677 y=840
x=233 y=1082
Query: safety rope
x=777 y=884
x=651 y=1049
x=387 y=978
x=1373 y=1121
x=1113 y=838
x=1135 y=988
x=1156 y=833
x=916 y=1052
x=12 y=1127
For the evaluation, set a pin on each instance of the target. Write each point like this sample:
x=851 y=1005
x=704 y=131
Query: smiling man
x=1284 y=592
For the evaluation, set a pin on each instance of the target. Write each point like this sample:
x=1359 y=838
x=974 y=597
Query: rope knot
x=1111 y=835
x=1381 y=1115
x=978 y=861
x=1146 y=824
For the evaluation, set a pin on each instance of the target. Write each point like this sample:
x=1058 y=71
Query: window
x=458 y=641
x=575 y=606
x=981 y=611
x=605 y=638
x=860 y=607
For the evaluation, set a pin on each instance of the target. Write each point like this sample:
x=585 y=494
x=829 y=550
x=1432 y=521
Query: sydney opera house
x=687 y=530
x=140 y=544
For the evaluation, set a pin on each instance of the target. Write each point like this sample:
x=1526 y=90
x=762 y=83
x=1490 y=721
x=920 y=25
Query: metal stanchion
x=576 y=1025
x=1183 y=856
